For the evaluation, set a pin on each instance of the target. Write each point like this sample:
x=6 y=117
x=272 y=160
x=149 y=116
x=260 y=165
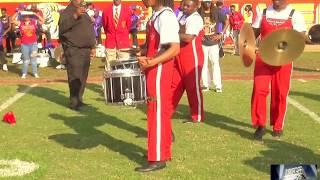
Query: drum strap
x=151 y=99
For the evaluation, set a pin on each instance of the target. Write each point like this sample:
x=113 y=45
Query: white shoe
x=5 y=67
x=205 y=89
x=36 y=76
x=59 y=66
x=218 y=90
x=24 y=76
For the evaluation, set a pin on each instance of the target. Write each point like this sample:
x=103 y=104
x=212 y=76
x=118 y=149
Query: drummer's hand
x=93 y=53
x=144 y=62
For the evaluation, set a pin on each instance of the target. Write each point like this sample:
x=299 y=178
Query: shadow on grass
x=280 y=152
x=306 y=95
x=277 y=152
x=85 y=125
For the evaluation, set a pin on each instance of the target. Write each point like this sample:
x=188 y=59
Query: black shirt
x=211 y=22
x=76 y=32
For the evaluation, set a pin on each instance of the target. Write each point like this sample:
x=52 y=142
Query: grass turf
x=307 y=63
x=100 y=141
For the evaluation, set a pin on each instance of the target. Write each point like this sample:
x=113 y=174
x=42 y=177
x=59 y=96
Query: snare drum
x=124 y=86
x=128 y=64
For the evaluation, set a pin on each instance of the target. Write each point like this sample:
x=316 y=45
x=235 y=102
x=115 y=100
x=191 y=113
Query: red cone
x=9 y=118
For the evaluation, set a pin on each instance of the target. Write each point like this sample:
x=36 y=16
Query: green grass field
x=100 y=142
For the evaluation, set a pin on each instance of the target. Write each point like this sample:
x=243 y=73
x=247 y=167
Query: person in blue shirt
x=134 y=27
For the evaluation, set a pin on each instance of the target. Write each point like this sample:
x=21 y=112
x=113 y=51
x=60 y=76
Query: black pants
x=77 y=63
x=3 y=59
x=98 y=38
x=134 y=34
x=11 y=41
x=48 y=36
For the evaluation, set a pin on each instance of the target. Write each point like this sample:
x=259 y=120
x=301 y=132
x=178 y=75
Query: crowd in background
x=10 y=30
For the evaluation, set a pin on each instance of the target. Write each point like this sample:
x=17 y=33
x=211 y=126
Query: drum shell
x=117 y=82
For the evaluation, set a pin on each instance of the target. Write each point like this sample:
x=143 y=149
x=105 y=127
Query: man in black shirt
x=77 y=36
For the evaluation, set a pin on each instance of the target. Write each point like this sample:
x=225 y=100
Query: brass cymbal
x=247 y=45
x=281 y=47
x=314 y=34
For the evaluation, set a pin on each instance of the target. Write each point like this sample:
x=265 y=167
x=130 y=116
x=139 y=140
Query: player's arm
x=166 y=53
x=14 y=19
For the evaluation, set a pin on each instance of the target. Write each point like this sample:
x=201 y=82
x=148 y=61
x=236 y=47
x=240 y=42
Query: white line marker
x=303 y=109
x=302 y=80
x=13 y=99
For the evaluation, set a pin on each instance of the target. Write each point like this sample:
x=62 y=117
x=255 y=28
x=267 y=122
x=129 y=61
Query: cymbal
x=314 y=34
x=247 y=45
x=281 y=47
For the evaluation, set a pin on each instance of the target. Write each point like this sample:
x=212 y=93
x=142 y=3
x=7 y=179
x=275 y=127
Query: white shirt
x=297 y=18
x=193 y=22
x=118 y=8
x=166 y=25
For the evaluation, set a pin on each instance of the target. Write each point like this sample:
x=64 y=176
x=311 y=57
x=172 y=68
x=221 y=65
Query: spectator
x=211 y=16
x=236 y=22
x=41 y=29
x=9 y=31
x=134 y=27
x=225 y=11
x=3 y=60
x=97 y=26
x=116 y=20
x=179 y=11
x=29 y=47
x=248 y=14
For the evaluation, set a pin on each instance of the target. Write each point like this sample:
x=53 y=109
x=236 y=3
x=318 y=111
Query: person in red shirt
x=236 y=21
x=116 y=21
x=29 y=47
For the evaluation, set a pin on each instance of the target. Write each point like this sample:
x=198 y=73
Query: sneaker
x=218 y=90
x=36 y=75
x=60 y=66
x=205 y=89
x=5 y=67
x=24 y=76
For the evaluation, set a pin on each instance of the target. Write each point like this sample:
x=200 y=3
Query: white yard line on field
x=302 y=80
x=303 y=109
x=13 y=99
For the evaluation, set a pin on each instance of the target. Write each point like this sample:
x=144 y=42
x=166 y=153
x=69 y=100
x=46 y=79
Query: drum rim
x=119 y=62
x=122 y=73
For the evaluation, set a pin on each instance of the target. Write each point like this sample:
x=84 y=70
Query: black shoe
x=173 y=138
x=152 y=166
x=277 y=134
x=74 y=107
x=82 y=104
x=74 y=104
x=259 y=133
